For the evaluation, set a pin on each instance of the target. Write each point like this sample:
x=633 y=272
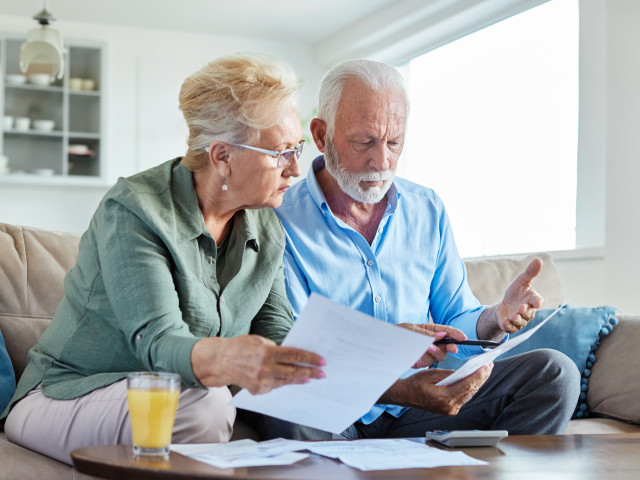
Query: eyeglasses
x=283 y=158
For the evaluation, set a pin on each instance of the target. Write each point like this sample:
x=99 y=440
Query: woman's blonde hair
x=234 y=97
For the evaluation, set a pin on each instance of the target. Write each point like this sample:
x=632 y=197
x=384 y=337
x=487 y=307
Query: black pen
x=479 y=343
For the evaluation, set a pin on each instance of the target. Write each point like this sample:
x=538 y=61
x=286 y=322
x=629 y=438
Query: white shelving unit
x=78 y=117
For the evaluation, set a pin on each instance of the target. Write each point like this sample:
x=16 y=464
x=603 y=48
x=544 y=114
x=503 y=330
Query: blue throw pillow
x=575 y=332
x=7 y=377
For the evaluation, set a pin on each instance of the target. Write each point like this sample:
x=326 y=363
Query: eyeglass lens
x=288 y=155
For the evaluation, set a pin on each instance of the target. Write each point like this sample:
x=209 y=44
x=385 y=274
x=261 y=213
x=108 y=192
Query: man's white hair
x=376 y=75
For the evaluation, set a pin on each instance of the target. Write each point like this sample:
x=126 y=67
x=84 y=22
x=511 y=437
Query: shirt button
x=212 y=260
x=370 y=263
x=378 y=298
x=380 y=230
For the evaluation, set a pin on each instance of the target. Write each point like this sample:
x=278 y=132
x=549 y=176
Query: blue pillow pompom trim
x=582 y=409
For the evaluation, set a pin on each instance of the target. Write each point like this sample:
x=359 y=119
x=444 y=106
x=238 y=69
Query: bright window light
x=494 y=131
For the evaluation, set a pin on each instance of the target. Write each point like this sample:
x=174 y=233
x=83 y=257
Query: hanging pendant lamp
x=44 y=50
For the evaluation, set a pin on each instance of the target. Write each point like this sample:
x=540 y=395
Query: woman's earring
x=224 y=183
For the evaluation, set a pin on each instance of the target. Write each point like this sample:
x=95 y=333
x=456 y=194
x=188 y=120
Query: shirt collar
x=393 y=195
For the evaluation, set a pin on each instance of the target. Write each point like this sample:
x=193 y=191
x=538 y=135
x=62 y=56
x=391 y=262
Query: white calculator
x=467 y=438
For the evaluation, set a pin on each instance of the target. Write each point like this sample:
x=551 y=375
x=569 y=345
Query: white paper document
x=388 y=454
x=244 y=453
x=372 y=454
x=364 y=356
x=475 y=363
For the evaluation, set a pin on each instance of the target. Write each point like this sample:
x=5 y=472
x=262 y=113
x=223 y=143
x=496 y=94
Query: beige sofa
x=33 y=263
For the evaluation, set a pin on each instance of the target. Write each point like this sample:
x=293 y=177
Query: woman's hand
x=252 y=362
x=435 y=353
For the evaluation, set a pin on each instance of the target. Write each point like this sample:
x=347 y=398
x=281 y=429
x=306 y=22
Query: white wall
x=144 y=127
x=622 y=256
x=609 y=156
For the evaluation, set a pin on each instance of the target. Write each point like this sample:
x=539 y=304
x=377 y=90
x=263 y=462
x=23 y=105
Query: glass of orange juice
x=153 y=402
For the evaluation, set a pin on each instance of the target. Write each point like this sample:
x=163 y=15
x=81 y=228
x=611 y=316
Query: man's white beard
x=350 y=181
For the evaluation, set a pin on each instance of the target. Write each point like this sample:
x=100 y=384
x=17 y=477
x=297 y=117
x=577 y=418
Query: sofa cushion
x=32 y=268
x=7 y=377
x=576 y=332
x=488 y=278
x=615 y=383
x=17 y=462
x=599 y=425
x=21 y=333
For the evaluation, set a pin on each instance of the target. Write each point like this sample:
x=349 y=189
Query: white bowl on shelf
x=16 y=79
x=22 y=124
x=43 y=125
x=43 y=79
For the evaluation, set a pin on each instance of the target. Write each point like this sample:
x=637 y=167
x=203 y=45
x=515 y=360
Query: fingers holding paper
x=252 y=362
x=420 y=390
x=436 y=352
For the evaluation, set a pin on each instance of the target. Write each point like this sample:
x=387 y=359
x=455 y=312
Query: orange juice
x=152 y=413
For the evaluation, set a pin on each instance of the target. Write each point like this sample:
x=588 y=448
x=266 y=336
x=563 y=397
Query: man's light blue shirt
x=411 y=269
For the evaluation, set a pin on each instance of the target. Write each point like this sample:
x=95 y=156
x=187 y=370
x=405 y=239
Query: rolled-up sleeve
x=136 y=271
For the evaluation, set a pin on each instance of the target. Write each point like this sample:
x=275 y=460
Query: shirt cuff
x=176 y=353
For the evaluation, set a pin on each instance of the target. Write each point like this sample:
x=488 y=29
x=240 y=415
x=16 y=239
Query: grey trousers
x=529 y=394
x=56 y=427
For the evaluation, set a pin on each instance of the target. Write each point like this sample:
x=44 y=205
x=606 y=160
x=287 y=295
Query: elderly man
x=384 y=246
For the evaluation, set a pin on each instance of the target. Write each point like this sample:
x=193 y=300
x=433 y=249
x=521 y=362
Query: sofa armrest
x=614 y=385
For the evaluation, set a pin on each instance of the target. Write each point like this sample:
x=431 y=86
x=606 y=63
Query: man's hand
x=252 y=362
x=420 y=391
x=435 y=353
x=518 y=307
x=520 y=302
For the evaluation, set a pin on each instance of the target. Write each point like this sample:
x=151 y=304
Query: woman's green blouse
x=146 y=287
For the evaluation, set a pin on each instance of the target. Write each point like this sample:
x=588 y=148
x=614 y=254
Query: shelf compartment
x=30 y=152
x=84 y=62
x=84 y=165
x=13 y=63
x=37 y=104
x=84 y=114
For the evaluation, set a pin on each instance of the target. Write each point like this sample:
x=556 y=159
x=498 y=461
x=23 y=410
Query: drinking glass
x=153 y=402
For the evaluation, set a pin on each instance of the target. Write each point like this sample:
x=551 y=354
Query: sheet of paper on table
x=475 y=363
x=371 y=454
x=390 y=453
x=364 y=356
x=244 y=453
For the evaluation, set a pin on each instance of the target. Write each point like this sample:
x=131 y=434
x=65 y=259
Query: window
x=494 y=131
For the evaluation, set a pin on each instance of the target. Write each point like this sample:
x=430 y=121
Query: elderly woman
x=179 y=271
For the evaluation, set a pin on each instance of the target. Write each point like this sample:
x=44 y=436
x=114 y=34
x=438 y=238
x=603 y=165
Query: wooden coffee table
x=544 y=457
